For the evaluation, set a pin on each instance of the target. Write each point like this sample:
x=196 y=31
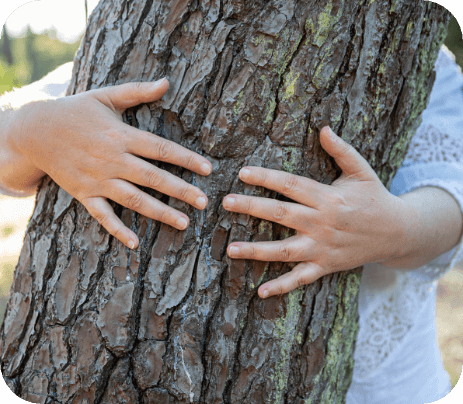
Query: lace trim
x=430 y=145
x=383 y=329
x=386 y=327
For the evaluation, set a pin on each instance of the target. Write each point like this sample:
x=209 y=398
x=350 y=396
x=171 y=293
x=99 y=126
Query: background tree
x=45 y=49
x=177 y=321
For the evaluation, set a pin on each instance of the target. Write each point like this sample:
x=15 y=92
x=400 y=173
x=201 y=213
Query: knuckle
x=290 y=184
x=138 y=87
x=279 y=289
x=247 y=206
x=154 y=178
x=280 y=212
x=262 y=177
x=84 y=200
x=118 y=233
x=163 y=216
x=185 y=192
x=125 y=133
x=101 y=218
x=190 y=161
x=283 y=253
x=300 y=279
x=252 y=252
x=134 y=202
x=164 y=150
x=335 y=199
x=345 y=148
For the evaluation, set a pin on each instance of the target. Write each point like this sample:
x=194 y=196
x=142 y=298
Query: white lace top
x=397 y=359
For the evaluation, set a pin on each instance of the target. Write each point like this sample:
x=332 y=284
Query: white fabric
x=53 y=85
x=397 y=359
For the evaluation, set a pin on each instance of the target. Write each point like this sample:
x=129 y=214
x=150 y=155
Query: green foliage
x=454 y=41
x=6 y=279
x=7 y=231
x=33 y=56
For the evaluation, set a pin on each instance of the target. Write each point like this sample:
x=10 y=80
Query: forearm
x=433 y=225
x=17 y=173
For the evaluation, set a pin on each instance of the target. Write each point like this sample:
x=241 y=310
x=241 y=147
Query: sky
x=67 y=16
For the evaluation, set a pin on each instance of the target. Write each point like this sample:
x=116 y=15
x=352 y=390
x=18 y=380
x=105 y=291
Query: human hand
x=82 y=144
x=354 y=221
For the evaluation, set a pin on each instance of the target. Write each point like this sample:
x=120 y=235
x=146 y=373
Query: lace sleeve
x=435 y=155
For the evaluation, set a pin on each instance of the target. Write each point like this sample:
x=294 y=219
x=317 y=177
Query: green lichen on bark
x=290 y=85
x=286 y=334
x=342 y=338
x=289 y=165
x=417 y=81
x=325 y=23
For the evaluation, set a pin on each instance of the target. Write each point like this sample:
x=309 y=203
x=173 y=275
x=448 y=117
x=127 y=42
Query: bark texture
x=177 y=321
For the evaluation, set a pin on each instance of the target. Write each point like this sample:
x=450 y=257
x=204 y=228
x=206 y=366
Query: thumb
x=129 y=95
x=347 y=158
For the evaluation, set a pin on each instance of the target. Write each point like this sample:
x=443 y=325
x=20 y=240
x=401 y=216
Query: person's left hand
x=354 y=221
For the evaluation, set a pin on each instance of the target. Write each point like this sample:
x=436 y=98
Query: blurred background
x=38 y=37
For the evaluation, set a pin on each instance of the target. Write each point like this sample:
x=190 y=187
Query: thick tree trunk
x=177 y=321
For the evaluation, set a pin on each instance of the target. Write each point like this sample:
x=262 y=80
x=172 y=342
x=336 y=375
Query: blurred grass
x=6 y=279
x=13 y=222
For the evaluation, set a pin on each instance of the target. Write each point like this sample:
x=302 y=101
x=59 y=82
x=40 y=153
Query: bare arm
x=18 y=176
x=434 y=226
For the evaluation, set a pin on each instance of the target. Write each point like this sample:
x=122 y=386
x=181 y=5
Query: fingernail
x=244 y=173
x=265 y=294
x=206 y=169
x=229 y=203
x=131 y=244
x=182 y=223
x=158 y=82
x=201 y=202
x=233 y=250
x=333 y=136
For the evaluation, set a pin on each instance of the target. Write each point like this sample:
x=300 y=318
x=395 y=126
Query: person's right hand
x=81 y=142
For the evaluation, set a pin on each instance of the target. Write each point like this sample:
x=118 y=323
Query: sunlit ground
x=15 y=214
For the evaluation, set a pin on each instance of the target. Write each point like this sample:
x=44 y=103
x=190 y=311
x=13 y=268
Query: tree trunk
x=6 y=47
x=177 y=321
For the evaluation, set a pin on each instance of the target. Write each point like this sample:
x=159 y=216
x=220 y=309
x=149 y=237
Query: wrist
x=432 y=226
x=19 y=173
x=406 y=235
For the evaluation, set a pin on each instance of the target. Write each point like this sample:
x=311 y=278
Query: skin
x=339 y=227
x=100 y=158
x=352 y=222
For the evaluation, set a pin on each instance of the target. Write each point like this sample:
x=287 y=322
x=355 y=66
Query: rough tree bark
x=177 y=321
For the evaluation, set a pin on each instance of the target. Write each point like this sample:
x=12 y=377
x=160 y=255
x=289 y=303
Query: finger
x=102 y=211
x=156 y=148
x=143 y=173
x=129 y=95
x=302 y=274
x=133 y=198
x=347 y=158
x=288 y=214
x=300 y=189
x=292 y=249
